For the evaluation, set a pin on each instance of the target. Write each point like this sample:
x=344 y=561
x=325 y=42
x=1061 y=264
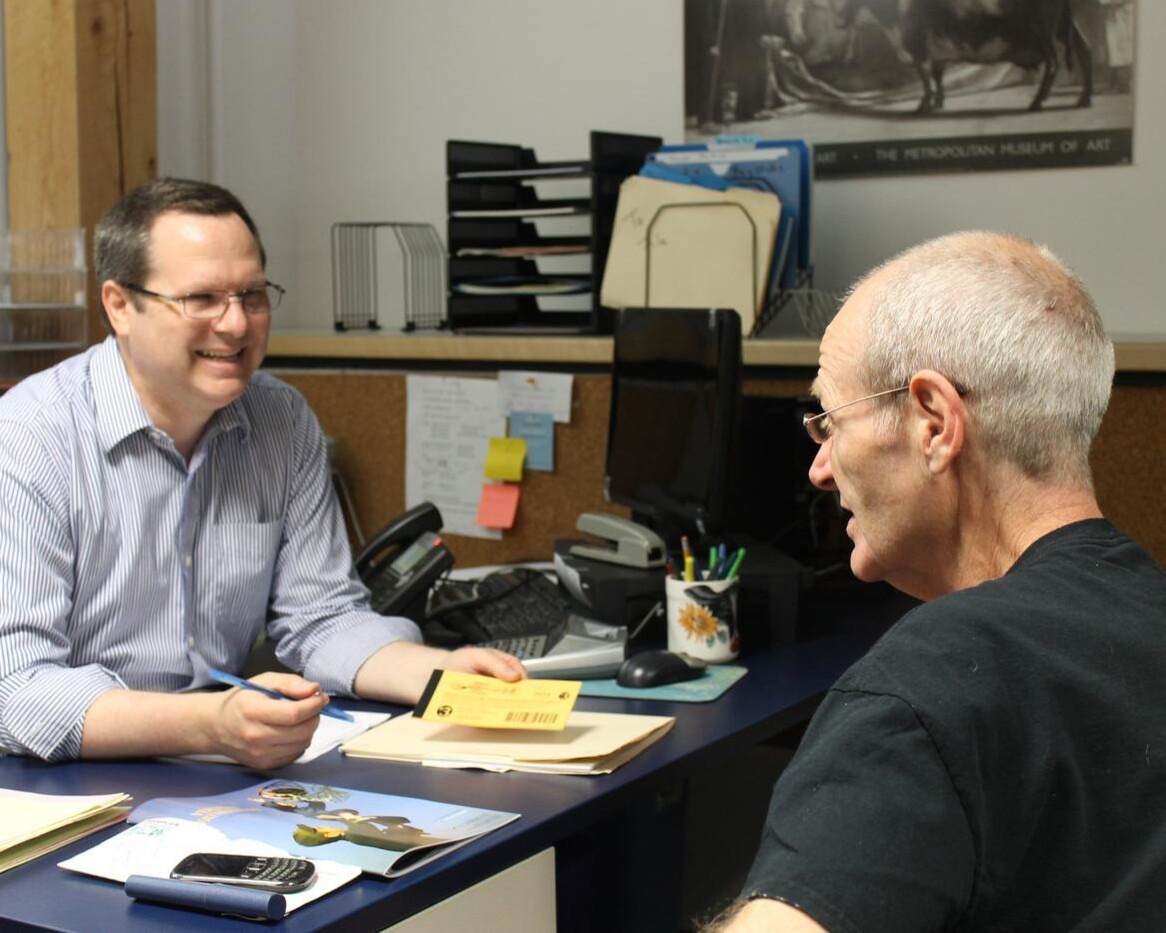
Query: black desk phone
x=403 y=560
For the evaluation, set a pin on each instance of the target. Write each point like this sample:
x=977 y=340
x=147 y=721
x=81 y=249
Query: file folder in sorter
x=783 y=168
x=684 y=246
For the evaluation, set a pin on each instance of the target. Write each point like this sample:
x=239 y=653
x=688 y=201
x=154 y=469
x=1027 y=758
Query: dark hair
x=121 y=242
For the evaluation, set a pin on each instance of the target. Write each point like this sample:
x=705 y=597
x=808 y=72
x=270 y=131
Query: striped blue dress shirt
x=123 y=566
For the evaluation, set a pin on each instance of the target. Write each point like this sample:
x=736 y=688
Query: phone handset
x=403 y=560
x=404 y=529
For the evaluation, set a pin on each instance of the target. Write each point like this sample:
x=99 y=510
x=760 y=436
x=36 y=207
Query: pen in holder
x=702 y=618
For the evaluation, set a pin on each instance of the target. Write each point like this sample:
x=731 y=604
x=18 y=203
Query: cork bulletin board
x=363 y=411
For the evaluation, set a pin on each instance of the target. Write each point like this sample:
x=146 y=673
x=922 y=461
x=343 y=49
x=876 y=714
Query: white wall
x=316 y=112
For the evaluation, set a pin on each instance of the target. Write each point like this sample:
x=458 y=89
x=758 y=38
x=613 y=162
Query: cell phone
x=269 y=873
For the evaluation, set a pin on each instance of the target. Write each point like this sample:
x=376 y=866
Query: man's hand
x=490 y=661
x=261 y=732
x=399 y=671
x=251 y=728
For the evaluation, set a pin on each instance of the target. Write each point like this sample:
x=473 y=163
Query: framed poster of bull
x=904 y=86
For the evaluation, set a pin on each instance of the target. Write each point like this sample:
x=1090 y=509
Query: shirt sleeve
x=43 y=700
x=865 y=830
x=320 y=614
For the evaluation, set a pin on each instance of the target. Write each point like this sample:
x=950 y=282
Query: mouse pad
x=716 y=680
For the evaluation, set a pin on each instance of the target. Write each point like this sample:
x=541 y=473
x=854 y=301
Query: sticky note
x=499 y=505
x=504 y=458
x=537 y=428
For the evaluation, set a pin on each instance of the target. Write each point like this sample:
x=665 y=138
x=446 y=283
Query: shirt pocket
x=245 y=554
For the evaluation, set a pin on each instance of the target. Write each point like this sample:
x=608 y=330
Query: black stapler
x=624 y=542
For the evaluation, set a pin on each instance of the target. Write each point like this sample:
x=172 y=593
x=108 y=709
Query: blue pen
x=224 y=678
x=722 y=562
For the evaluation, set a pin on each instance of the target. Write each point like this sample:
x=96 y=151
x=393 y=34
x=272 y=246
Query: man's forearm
x=398 y=672
x=762 y=915
x=128 y=723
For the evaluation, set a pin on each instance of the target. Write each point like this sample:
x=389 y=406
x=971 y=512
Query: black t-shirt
x=997 y=761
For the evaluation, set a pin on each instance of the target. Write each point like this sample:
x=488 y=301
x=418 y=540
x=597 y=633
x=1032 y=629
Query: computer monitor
x=675 y=400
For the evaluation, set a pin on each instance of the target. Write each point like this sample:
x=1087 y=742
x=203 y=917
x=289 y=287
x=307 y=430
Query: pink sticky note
x=498 y=506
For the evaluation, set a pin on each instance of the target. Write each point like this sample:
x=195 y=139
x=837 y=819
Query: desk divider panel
x=364 y=412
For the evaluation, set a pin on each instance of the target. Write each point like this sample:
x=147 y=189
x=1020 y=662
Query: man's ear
x=941 y=418
x=118 y=306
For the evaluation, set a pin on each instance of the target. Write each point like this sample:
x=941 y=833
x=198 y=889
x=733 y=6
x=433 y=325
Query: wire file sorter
x=382 y=267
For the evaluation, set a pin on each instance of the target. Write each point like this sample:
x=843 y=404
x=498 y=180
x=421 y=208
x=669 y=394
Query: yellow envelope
x=489 y=703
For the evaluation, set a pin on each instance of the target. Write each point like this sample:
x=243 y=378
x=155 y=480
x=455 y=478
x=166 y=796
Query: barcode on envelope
x=528 y=717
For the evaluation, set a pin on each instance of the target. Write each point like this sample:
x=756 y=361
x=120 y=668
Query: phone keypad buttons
x=271 y=869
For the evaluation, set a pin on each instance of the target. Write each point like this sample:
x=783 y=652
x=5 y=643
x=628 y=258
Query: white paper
x=329 y=734
x=530 y=391
x=154 y=847
x=448 y=428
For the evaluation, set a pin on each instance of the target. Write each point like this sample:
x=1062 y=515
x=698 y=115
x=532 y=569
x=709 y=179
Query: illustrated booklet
x=383 y=834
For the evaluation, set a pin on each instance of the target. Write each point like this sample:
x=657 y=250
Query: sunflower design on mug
x=698 y=622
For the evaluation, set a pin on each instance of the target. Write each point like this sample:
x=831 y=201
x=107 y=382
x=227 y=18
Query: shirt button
x=190 y=641
x=187 y=560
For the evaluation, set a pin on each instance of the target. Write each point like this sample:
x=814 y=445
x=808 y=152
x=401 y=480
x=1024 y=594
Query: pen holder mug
x=702 y=618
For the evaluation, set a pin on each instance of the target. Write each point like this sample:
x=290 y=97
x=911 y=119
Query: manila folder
x=684 y=246
x=591 y=743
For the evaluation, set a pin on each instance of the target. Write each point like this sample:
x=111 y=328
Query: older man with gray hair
x=998 y=760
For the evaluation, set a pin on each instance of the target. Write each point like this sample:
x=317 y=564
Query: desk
x=782 y=689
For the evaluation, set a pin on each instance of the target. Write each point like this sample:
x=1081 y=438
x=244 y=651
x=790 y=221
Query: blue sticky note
x=538 y=429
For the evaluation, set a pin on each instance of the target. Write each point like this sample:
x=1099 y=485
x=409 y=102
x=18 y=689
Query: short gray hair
x=1008 y=323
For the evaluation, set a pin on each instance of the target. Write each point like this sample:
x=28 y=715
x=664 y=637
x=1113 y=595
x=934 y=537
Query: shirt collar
x=120 y=413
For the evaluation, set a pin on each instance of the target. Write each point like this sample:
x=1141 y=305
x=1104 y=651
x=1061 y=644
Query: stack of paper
x=33 y=824
x=592 y=743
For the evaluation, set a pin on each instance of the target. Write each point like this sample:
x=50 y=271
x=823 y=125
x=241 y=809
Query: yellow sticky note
x=488 y=703
x=498 y=506
x=504 y=458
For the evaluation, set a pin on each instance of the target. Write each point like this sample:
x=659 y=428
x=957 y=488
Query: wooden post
x=81 y=101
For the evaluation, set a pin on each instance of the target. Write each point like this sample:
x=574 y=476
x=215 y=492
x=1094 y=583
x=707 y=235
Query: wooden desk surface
x=782 y=689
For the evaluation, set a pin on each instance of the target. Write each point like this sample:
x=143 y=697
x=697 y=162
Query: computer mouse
x=656 y=668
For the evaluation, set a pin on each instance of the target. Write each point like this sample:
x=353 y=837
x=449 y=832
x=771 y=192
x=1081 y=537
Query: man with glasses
x=162 y=503
x=997 y=761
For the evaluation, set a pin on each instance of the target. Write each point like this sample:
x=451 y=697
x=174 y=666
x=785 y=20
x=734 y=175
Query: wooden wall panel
x=81 y=102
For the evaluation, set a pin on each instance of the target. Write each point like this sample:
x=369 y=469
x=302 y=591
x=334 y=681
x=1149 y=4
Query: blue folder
x=780 y=167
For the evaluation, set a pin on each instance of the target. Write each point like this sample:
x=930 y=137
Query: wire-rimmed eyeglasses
x=820 y=426
x=210 y=306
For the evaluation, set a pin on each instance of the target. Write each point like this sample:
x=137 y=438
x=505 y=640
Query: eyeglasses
x=820 y=427
x=210 y=306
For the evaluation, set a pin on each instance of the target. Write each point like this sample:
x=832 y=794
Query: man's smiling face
x=184 y=371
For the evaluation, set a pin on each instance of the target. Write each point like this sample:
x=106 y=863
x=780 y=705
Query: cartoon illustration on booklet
x=382 y=833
